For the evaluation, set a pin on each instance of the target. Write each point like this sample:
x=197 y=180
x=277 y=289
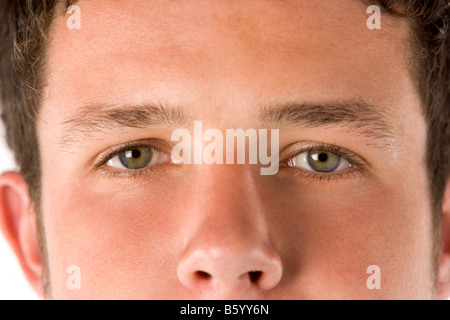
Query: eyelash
x=114 y=151
x=358 y=163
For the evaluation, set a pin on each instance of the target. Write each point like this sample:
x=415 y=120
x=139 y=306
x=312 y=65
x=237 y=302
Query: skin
x=147 y=236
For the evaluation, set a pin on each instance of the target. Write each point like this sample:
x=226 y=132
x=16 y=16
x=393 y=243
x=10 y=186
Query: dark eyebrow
x=367 y=120
x=102 y=118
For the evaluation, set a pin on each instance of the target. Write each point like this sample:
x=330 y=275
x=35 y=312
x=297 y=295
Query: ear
x=444 y=264
x=18 y=223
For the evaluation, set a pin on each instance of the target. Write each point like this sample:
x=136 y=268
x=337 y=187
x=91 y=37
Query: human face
x=175 y=231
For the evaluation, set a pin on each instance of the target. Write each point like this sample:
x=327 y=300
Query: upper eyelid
x=112 y=152
x=353 y=158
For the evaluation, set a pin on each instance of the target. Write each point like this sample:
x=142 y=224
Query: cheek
x=114 y=237
x=327 y=235
x=334 y=232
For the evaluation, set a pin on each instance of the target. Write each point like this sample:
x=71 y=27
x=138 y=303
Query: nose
x=230 y=250
x=223 y=266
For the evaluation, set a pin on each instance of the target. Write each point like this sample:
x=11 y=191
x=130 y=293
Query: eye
x=319 y=161
x=134 y=158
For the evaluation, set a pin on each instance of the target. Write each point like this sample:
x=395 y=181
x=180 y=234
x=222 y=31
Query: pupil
x=323 y=157
x=135 y=154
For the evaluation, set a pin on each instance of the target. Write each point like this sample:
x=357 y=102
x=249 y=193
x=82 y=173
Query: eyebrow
x=101 y=118
x=365 y=119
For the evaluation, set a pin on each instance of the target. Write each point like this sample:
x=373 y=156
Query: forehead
x=225 y=53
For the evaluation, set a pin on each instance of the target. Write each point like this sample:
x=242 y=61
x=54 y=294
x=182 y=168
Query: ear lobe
x=18 y=223
x=444 y=263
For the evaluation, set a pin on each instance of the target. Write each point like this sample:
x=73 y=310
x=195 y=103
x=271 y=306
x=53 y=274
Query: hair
x=430 y=45
x=25 y=25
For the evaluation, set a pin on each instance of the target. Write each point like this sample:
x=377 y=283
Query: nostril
x=254 y=276
x=202 y=275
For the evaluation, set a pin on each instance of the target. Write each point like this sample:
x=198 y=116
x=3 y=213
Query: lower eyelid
x=321 y=176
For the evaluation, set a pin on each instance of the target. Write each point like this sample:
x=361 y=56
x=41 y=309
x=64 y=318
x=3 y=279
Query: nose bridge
x=229 y=246
x=227 y=198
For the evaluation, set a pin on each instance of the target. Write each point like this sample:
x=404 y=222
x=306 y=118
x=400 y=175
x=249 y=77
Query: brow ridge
x=366 y=119
x=94 y=118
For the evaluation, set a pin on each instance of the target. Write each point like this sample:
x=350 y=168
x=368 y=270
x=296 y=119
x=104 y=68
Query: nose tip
x=219 y=268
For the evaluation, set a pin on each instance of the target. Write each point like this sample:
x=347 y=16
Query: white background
x=13 y=284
